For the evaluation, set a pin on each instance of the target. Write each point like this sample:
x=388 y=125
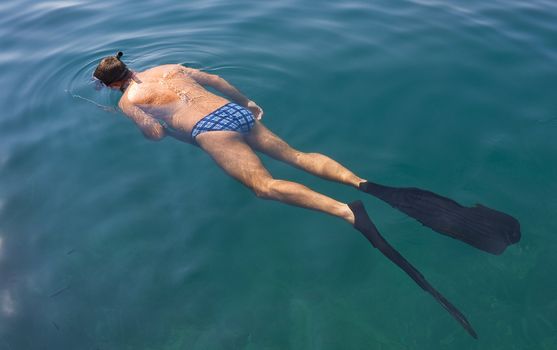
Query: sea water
x=111 y=241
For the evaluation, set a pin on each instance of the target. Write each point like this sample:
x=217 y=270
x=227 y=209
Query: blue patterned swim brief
x=230 y=117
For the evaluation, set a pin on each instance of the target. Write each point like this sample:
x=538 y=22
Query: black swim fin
x=367 y=228
x=484 y=228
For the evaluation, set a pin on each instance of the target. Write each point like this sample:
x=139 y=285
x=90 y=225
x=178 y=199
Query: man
x=171 y=100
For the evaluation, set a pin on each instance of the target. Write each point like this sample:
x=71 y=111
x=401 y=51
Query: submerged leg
x=262 y=139
x=233 y=155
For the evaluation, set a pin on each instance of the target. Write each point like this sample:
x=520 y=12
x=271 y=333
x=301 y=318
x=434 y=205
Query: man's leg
x=262 y=139
x=234 y=155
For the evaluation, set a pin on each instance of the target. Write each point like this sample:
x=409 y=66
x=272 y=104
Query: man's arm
x=226 y=88
x=149 y=126
x=218 y=83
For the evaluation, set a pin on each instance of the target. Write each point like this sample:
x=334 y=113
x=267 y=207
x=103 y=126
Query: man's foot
x=348 y=214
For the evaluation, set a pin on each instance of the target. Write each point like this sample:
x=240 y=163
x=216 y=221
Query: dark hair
x=111 y=69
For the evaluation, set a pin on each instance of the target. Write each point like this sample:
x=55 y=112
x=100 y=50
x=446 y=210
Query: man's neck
x=126 y=81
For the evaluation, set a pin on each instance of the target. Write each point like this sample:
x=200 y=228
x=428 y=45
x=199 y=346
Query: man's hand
x=255 y=109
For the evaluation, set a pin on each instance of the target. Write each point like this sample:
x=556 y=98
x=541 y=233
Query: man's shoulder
x=124 y=103
x=136 y=93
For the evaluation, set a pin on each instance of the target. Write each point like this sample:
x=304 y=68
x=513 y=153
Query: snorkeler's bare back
x=171 y=93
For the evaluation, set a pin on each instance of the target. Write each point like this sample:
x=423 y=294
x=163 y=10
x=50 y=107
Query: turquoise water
x=110 y=241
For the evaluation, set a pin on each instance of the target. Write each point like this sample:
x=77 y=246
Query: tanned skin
x=178 y=96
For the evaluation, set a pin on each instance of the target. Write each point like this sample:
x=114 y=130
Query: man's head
x=111 y=70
